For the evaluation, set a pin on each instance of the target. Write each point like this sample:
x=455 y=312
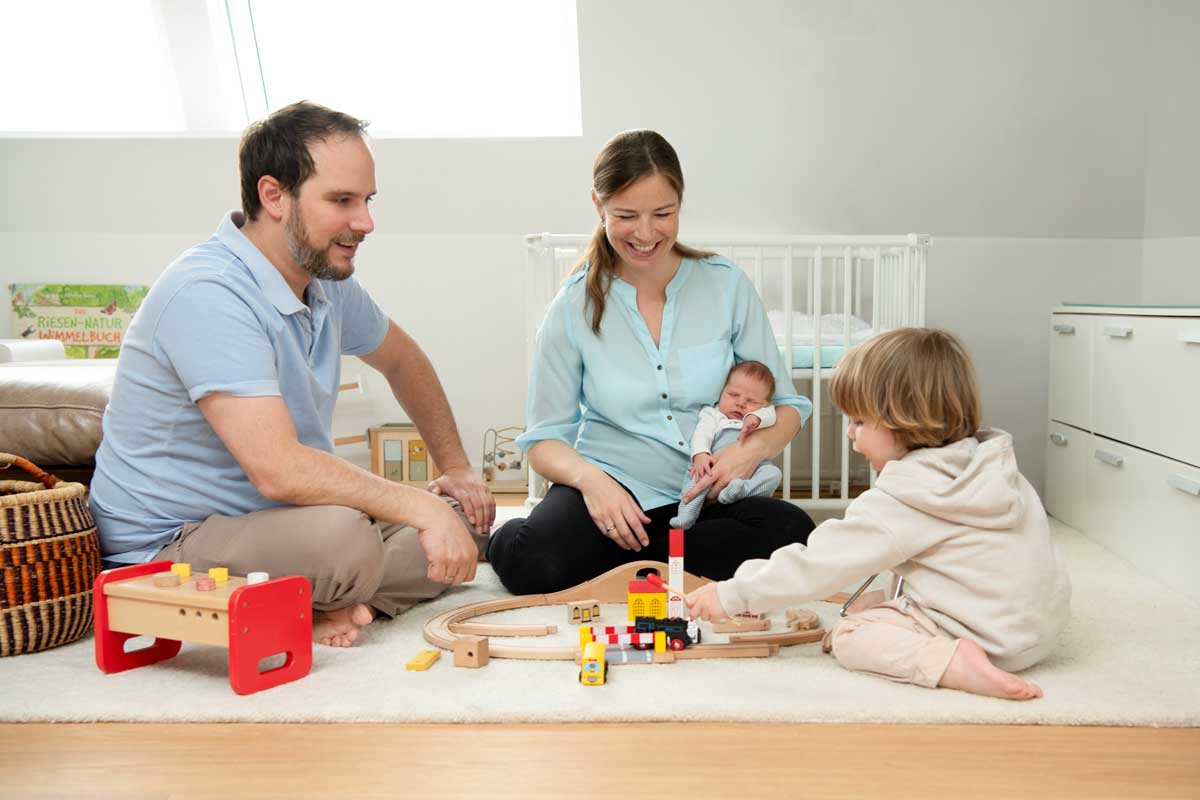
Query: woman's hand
x=615 y=512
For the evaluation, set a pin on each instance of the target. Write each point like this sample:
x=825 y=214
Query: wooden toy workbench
x=254 y=621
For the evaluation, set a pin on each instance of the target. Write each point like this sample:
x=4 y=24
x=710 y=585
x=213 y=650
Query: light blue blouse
x=630 y=407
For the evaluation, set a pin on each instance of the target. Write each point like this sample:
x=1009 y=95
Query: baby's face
x=741 y=395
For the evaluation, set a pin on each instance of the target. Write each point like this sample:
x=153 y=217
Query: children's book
x=89 y=319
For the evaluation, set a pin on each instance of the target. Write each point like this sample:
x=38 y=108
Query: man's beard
x=312 y=260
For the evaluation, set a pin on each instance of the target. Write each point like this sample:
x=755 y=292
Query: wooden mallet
x=659 y=583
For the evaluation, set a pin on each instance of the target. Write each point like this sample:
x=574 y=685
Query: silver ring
x=610 y=529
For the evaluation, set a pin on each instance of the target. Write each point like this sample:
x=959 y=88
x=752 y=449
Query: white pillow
x=833 y=327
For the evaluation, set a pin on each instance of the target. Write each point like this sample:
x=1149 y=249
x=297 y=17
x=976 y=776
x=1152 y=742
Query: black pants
x=559 y=546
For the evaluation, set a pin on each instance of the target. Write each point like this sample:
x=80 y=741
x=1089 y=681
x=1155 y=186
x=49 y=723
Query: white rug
x=1131 y=656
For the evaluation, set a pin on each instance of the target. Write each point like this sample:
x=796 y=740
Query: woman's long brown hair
x=626 y=158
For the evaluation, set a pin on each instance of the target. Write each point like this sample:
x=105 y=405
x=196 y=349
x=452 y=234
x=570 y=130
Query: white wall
x=1013 y=133
x=1171 y=271
x=1171 y=250
x=1173 y=120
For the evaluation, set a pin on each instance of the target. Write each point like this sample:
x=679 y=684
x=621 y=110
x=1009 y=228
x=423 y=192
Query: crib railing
x=831 y=275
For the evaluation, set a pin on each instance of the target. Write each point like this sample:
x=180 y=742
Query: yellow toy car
x=592 y=669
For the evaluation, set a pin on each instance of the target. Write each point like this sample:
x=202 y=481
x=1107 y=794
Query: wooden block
x=471 y=651
x=785 y=639
x=582 y=612
x=800 y=619
x=423 y=660
x=741 y=625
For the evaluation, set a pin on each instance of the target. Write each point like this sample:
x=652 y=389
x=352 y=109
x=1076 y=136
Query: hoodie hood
x=972 y=482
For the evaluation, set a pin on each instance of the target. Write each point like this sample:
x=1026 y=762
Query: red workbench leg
x=110 y=645
x=266 y=619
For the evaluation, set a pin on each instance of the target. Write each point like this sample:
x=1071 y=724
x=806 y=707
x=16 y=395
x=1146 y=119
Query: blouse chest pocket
x=703 y=369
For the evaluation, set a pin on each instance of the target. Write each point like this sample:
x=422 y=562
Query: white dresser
x=1123 y=449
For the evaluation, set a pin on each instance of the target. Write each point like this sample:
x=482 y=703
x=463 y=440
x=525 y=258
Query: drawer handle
x=1110 y=458
x=1064 y=328
x=1184 y=484
x=1118 y=331
x=1058 y=439
x=1190 y=337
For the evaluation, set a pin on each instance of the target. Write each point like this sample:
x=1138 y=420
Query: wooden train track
x=444 y=629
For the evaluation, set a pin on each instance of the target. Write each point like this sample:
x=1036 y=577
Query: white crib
x=824 y=294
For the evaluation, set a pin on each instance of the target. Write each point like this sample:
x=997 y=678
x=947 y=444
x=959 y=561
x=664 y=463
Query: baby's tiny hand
x=750 y=424
x=701 y=464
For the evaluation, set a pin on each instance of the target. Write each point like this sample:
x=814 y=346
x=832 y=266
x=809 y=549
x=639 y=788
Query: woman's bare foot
x=971 y=671
x=339 y=628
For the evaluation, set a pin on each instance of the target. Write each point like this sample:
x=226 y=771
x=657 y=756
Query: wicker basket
x=49 y=558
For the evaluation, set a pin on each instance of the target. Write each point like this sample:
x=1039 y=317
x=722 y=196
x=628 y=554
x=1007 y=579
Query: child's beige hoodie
x=963 y=528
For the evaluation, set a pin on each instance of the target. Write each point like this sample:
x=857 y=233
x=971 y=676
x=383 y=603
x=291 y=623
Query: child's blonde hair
x=918 y=383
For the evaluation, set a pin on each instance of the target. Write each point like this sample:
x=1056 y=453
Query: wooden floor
x=686 y=761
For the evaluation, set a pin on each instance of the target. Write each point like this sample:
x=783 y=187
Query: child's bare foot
x=339 y=628
x=971 y=671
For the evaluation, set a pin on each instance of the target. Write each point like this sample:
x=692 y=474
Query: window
x=61 y=75
x=453 y=68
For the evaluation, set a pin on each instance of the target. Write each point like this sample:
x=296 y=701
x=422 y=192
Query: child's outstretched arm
x=840 y=553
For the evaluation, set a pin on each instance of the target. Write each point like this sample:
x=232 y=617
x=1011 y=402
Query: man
x=218 y=444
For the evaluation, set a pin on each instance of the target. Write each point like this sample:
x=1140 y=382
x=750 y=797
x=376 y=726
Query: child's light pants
x=893 y=640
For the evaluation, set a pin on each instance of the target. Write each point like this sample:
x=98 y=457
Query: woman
x=638 y=340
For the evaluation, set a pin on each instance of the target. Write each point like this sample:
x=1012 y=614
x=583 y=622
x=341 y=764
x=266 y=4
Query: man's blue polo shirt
x=221 y=318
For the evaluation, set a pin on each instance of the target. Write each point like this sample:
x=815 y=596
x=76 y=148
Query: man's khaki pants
x=893 y=640
x=346 y=556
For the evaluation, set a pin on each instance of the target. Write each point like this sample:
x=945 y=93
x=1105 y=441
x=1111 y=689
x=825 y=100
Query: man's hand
x=750 y=424
x=465 y=486
x=705 y=604
x=448 y=546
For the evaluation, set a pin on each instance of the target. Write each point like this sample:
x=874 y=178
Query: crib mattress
x=802 y=355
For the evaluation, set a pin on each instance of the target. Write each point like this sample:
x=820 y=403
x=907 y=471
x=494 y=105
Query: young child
x=984 y=592
x=743 y=407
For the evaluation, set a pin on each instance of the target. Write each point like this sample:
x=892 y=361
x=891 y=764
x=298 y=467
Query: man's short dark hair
x=278 y=146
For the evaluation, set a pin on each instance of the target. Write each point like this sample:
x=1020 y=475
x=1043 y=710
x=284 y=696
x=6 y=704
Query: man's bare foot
x=339 y=628
x=971 y=671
